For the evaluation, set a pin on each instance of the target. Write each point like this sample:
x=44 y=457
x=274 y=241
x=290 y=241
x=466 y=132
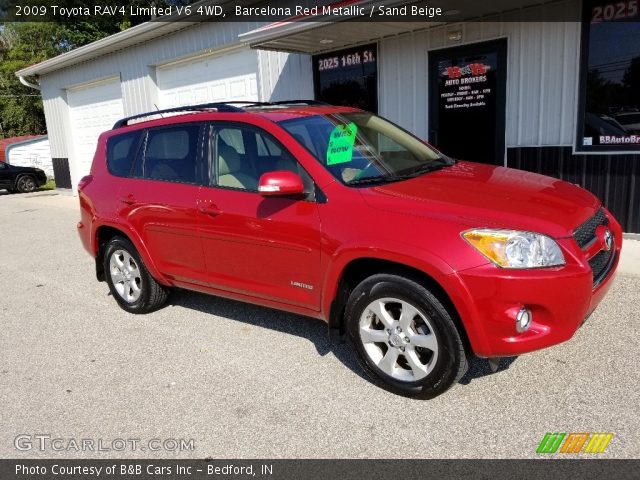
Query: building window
x=348 y=77
x=609 y=118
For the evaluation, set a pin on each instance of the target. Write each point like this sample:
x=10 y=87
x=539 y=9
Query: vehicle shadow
x=479 y=367
x=314 y=330
x=309 y=328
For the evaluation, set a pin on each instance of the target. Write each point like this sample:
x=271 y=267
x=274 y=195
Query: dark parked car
x=21 y=179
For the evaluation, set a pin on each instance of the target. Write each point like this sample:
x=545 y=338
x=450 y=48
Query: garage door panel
x=103 y=92
x=93 y=110
x=200 y=94
x=213 y=79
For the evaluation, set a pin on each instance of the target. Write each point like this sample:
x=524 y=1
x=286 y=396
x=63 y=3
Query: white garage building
x=154 y=66
x=532 y=107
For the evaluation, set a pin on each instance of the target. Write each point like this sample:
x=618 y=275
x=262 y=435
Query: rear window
x=121 y=152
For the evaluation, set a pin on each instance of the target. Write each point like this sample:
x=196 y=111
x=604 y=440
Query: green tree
x=26 y=43
x=21 y=45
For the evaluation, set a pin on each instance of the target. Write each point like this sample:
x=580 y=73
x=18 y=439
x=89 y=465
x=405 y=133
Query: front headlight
x=515 y=249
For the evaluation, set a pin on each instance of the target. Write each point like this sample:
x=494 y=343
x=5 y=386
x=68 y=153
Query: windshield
x=360 y=147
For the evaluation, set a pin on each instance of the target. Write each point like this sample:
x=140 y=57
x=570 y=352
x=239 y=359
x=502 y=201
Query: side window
x=171 y=154
x=2 y=166
x=243 y=154
x=121 y=152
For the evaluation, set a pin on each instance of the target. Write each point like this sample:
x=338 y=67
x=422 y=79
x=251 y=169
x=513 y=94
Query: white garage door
x=93 y=110
x=31 y=153
x=230 y=76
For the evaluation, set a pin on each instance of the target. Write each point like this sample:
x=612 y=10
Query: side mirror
x=281 y=183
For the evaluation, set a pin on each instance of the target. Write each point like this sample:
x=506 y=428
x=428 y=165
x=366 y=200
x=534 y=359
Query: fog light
x=523 y=320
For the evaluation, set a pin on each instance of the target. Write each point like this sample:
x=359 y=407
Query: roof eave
x=100 y=47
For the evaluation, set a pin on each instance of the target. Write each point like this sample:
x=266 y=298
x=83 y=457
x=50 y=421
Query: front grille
x=586 y=233
x=601 y=264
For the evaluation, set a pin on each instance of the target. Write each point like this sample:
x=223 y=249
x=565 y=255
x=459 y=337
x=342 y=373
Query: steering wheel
x=369 y=166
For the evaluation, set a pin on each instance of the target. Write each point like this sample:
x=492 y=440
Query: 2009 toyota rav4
x=338 y=214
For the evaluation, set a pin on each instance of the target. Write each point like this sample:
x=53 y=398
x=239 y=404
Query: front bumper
x=41 y=178
x=560 y=299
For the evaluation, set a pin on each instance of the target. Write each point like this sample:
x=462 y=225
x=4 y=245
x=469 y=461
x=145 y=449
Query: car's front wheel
x=131 y=284
x=404 y=337
x=26 y=184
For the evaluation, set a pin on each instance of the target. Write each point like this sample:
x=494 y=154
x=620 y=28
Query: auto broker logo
x=45 y=442
x=473 y=69
x=574 y=443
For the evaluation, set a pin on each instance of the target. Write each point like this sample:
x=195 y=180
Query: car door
x=158 y=200
x=263 y=247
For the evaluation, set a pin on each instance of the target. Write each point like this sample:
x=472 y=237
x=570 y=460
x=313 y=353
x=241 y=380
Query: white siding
x=542 y=77
x=31 y=153
x=285 y=76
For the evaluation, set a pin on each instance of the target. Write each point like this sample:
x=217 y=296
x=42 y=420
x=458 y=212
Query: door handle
x=129 y=200
x=210 y=210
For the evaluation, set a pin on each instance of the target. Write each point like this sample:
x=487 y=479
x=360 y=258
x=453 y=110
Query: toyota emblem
x=608 y=240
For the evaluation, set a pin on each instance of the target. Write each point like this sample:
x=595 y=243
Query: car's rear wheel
x=404 y=337
x=26 y=184
x=135 y=290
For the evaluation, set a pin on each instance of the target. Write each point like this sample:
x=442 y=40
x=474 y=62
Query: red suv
x=336 y=213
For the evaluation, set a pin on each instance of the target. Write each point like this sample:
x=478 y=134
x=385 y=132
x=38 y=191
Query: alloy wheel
x=399 y=339
x=26 y=184
x=125 y=275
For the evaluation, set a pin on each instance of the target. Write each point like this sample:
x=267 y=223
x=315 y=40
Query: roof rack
x=286 y=102
x=219 y=106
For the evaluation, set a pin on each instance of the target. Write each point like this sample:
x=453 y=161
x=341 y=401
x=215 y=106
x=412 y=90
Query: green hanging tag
x=341 y=140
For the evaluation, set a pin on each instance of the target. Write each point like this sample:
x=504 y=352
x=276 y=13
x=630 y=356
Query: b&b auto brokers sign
x=464 y=86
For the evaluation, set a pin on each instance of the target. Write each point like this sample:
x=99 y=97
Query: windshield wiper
x=428 y=167
x=438 y=164
x=374 y=180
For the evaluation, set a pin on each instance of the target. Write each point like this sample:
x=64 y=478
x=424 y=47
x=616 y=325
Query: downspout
x=28 y=84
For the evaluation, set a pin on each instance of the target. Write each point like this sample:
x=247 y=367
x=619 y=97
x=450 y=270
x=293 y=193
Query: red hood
x=479 y=195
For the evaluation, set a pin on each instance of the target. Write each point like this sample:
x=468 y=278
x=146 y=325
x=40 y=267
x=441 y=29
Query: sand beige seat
x=231 y=172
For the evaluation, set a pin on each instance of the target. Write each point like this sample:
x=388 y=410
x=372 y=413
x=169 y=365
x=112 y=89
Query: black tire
x=26 y=184
x=151 y=294
x=450 y=362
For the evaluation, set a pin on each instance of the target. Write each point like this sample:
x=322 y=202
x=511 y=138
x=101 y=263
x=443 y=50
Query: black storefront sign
x=348 y=77
x=467 y=101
